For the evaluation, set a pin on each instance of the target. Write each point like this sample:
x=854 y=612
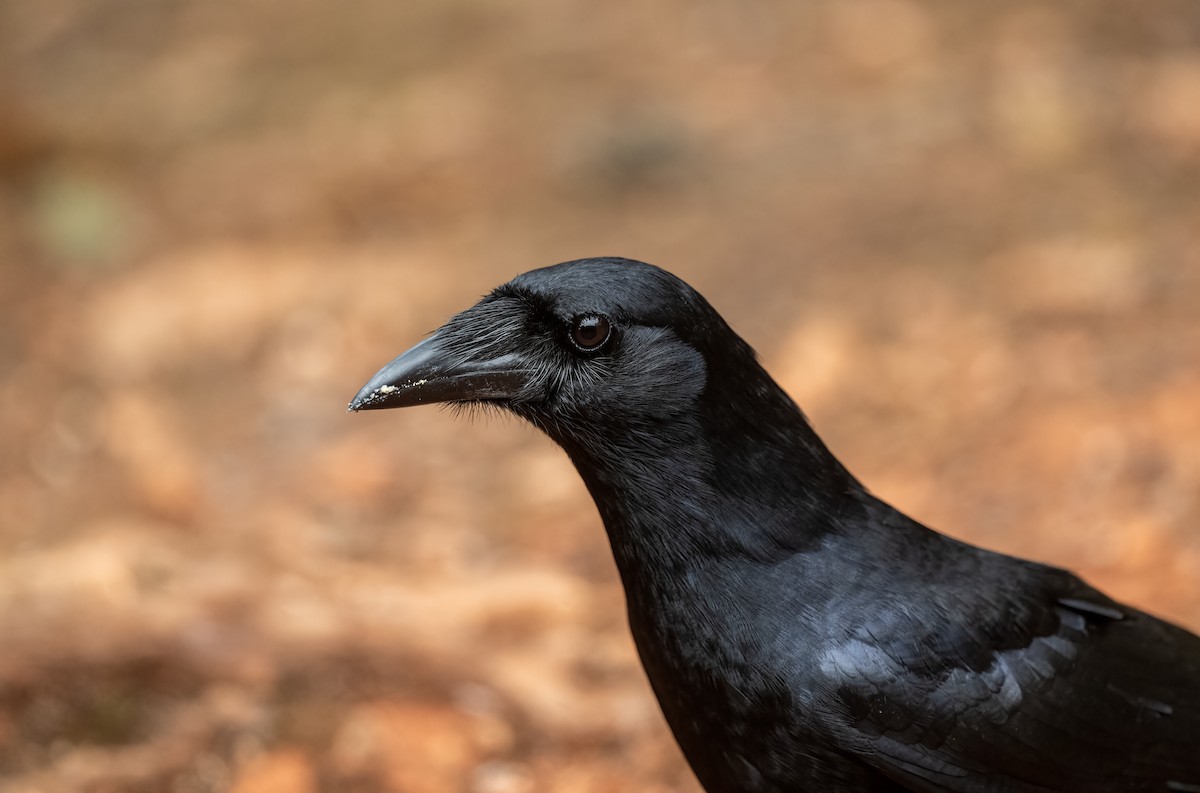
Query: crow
x=799 y=633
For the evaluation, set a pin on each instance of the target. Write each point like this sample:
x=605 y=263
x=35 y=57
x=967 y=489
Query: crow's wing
x=1051 y=687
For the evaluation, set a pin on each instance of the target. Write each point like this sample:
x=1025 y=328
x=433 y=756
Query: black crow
x=799 y=633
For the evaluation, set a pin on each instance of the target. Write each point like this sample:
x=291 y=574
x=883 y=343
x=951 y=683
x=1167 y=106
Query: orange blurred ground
x=965 y=237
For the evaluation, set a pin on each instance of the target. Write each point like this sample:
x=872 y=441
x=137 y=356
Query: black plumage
x=799 y=633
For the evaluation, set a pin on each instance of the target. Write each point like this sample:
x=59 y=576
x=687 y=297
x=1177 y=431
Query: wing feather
x=1054 y=687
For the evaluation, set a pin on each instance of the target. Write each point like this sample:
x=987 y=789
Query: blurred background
x=966 y=237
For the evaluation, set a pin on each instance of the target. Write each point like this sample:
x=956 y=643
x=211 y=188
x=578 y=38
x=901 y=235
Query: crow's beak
x=431 y=372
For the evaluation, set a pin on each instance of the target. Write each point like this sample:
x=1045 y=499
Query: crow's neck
x=740 y=476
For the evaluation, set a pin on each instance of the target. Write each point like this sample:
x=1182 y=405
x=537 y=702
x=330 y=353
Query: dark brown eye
x=590 y=331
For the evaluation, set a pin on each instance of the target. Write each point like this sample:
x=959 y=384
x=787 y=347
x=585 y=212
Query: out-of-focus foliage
x=965 y=236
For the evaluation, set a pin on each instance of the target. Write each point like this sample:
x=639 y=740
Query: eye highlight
x=589 y=332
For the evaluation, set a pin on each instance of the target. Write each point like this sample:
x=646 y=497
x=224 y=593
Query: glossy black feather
x=800 y=634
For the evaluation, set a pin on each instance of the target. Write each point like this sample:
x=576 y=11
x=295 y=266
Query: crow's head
x=664 y=410
x=578 y=349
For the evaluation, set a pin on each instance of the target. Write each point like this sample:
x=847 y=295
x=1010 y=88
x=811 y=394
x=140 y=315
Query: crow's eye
x=590 y=331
